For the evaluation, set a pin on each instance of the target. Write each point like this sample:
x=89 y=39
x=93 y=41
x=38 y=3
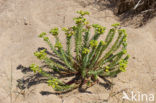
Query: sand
x=22 y=20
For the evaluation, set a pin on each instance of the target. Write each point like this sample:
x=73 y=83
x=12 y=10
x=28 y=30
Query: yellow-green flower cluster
x=68 y=31
x=79 y=20
x=122 y=65
x=42 y=35
x=107 y=68
x=99 y=29
x=41 y=54
x=34 y=68
x=82 y=13
x=45 y=38
x=65 y=29
x=122 y=31
x=58 y=45
x=53 y=82
x=93 y=43
x=116 y=25
x=54 y=31
x=85 y=51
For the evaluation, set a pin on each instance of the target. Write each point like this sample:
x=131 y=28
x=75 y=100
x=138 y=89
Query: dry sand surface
x=22 y=20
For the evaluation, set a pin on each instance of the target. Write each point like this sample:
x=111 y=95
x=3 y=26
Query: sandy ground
x=22 y=20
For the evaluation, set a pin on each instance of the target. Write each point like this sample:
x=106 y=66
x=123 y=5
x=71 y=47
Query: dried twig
x=137 y=5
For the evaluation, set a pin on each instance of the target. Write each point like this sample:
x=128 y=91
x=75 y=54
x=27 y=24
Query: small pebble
x=25 y=23
x=133 y=57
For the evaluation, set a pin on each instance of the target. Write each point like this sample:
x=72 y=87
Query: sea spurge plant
x=91 y=59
